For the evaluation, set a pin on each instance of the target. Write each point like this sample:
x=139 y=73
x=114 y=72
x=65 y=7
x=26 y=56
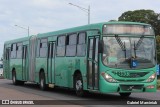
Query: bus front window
x=118 y=51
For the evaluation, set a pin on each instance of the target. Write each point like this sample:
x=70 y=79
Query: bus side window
x=12 y=47
x=19 y=50
x=71 y=46
x=43 y=48
x=13 y=51
x=61 y=45
x=81 y=47
x=6 y=53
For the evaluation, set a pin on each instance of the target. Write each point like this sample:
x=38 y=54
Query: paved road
x=65 y=97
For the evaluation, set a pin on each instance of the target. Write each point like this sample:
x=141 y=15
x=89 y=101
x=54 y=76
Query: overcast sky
x=50 y=15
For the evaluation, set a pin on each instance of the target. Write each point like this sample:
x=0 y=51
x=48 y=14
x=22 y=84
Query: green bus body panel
x=18 y=67
x=65 y=67
x=41 y=63
x=64 y=71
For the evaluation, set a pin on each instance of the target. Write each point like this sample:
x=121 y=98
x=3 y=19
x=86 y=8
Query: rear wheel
x=125 y=94
x=78 y=84
x=42 y=81
x=20 y=82
x=14 y=80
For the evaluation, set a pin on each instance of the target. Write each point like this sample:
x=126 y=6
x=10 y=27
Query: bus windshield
x=119 y=50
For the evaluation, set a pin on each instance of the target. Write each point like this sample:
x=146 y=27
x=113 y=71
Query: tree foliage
x=158 y=48
x=143 y=16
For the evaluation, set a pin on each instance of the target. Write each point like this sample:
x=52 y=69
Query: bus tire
x=78 y=83
x=42 y=81
x=14 y=80
x=125 y=94
x=20 y=82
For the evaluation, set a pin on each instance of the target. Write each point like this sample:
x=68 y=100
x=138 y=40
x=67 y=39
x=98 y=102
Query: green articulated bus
x=110 y=57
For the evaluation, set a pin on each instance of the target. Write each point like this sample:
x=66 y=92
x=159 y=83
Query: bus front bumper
x=122 y=87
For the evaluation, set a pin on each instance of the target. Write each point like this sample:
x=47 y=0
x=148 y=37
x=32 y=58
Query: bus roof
x=86 y=27
x=74 y=29
x=17 y=40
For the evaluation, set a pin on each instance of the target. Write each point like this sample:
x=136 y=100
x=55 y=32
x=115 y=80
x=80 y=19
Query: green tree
x=143 y=16
x=158 y=48
x=112 y=20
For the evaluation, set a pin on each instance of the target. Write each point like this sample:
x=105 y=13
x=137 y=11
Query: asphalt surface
x=66 y=97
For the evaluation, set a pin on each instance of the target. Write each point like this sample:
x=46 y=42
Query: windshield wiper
x=121 y=44
x=136 y=46
x=139 y=42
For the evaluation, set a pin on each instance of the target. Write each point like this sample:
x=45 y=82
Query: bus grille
x=131 y=87
x=133 y=80
x=134 y=75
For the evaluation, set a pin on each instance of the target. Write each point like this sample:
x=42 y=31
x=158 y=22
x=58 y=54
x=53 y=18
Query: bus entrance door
x=92 y=63
x=51 y=62
x=24 y=63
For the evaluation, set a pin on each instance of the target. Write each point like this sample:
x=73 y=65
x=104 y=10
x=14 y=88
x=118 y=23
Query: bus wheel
x=79 y=85
x=20 y=82
x=15 y=82
x=125 y=94
x=42 y=81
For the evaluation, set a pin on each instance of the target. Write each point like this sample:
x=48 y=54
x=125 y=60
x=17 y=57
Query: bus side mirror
x=100 y=46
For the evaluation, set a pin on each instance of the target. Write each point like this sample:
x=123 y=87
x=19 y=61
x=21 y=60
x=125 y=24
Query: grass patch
x=158 y=84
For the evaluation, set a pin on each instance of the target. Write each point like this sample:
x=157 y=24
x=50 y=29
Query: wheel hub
x=41 y=82
x=78 y=85
x=14 y=79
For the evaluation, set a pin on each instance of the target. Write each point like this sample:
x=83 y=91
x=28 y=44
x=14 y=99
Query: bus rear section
x=128 y=60
x=1 y=69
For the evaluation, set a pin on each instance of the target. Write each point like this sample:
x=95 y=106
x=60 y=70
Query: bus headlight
x=151 y=78
x=108 y=78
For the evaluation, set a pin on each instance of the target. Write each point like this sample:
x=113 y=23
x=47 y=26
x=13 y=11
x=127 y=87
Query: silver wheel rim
x=42 y=83
x=78 y=85
x=14 y=79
